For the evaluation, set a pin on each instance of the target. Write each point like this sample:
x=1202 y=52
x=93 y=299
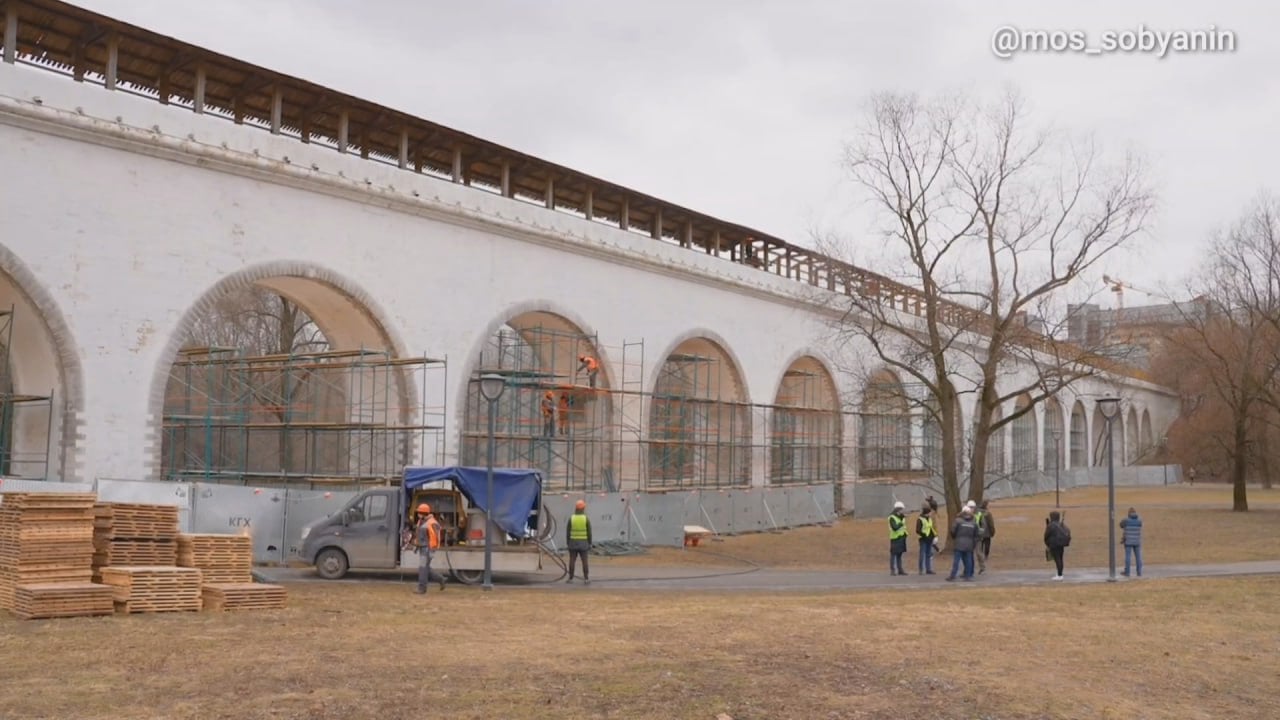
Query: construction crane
x=1118 y=286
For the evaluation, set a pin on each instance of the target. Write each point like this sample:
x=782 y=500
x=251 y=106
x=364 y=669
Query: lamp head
x=1109 y=407
x=492 y=386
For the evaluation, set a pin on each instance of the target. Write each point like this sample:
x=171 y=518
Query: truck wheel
x=331 y=564
x=469 y=577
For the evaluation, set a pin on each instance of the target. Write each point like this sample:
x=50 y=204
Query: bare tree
x=1226 y=359
x=991 y=220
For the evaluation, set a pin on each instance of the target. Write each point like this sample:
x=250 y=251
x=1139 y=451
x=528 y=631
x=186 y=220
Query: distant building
x=1131 y=334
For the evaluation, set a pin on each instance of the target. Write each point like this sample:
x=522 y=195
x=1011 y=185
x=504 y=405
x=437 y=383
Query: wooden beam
x=457 y=164
x=404 y=147
x=277 y=109
x=506 y=179
x=344 y=130
x=198 y=99
x=589 y=205
x=113 y=60
x=11 y=32
x=687 y=240
x=550 y=195
x=656 y=229
x=624 y=215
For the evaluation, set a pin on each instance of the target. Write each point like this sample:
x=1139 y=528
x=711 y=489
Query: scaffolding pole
x=26 y=420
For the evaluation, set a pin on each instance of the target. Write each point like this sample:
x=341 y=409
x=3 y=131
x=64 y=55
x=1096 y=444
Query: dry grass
x=375 y=650
x=1181 y=525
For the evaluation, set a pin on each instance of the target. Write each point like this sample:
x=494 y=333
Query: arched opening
x=1147 y=443
x=40 y=384
x=699 y=420
x=884 y=436
x=283 y=375
x=553 y=415
x=805 y=426
x=1053 y=435
x=1100 y=438
x=1079 y=436
x=1025 y=450
x=1131 y=437
x=995 y=446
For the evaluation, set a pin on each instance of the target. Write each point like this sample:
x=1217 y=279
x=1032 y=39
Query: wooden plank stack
x=226 y=562
x=44 y=538
x=154 y=589
x=132 y=534
x=243 y=596
x=55 y=600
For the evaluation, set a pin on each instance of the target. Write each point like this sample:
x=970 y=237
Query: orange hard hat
x=424 y=508
x=580 y=505
x=550 y=394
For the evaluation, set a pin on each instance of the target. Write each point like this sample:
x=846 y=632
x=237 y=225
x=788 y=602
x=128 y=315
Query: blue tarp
x=516 y=492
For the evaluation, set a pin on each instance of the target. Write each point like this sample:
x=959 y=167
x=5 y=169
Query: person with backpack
x=964 y=538
x=1057 y=536
x=987 y=524
x=1132 y=528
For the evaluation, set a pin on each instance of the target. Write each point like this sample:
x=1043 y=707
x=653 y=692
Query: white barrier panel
x=16 y=485
x=302 y=507
x=608 y=515
x=232 y=510
x=716 y=510
x=150 y=493
x=748 y=510
x=656 y=518
x=777 y=513
x=825 y=497
x=559 y=507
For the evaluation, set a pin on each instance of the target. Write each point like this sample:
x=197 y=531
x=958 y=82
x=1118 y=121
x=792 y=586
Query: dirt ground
x=375 y=650
x=1180 y=525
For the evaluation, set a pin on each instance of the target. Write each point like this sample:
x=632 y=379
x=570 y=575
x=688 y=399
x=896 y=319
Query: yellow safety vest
x=897 y=532
x=578 y=526
x=926 y=527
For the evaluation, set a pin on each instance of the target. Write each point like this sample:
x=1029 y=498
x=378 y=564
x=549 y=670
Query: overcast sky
x=739 y=108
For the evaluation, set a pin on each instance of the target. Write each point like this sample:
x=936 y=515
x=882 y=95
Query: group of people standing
x=970 y=535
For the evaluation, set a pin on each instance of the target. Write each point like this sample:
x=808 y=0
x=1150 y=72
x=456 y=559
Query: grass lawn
x=1181 y=525
x=1204 y=648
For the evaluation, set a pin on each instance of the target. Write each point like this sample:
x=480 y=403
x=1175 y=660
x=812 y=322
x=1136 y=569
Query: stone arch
x=1079 y=436
x=1100 y=439
x=1146 y=438
x=1024 y=434
x=884 y=431
x=1131 y=436
x=699 y=420
x=318 y=441
x=44 y=379
x=551 y=415
x=805 y=425
x=1054 y=439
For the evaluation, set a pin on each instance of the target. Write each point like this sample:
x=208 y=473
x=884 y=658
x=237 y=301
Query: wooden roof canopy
x=68 y=39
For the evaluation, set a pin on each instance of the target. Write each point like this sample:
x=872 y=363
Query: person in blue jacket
x=1132 y=527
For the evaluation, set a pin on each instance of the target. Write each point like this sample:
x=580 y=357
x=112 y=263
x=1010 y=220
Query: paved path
x=750 y=579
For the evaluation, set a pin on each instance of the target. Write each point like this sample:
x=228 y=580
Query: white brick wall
x=120 y=231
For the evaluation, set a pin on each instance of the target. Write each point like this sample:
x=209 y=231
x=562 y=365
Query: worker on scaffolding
x=427 y=536
x=588 y=363
x=549 y=413
x=578 y=538
x=564 y=413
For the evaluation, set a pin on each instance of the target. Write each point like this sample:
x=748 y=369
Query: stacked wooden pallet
x=243 y=596
x=55 y=600
x=226 y=562
x=153 y=589
x=44 y=538
x=135 y=535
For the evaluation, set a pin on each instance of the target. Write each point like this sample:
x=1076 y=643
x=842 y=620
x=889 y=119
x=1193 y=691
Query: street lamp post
x=1057 y=463
x=491 y=387
x=1110 y=408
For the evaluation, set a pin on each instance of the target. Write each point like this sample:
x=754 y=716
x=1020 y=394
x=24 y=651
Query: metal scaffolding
x=696 y=437
x=26 y=420
x=805 y=431
x=550 y=417
x=326 y=418
x=884 y=430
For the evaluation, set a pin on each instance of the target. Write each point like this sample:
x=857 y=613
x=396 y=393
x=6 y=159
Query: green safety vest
x=897 y=532
x=926 y=527
x=978 y=518
x=578 y=526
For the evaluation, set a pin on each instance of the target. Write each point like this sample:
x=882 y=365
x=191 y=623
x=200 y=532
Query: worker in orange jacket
x=588 y=363
x=564 y=413
x=427 y=538
x=549 y=413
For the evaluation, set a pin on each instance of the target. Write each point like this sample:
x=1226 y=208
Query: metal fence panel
x=302 y=507
x=824 y=496
x=150 y=493
x=232 y=509
x=657 y=518
x=748 y=510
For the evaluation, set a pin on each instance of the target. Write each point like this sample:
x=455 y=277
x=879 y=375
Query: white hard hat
x=971 y=504
x=899 y=506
